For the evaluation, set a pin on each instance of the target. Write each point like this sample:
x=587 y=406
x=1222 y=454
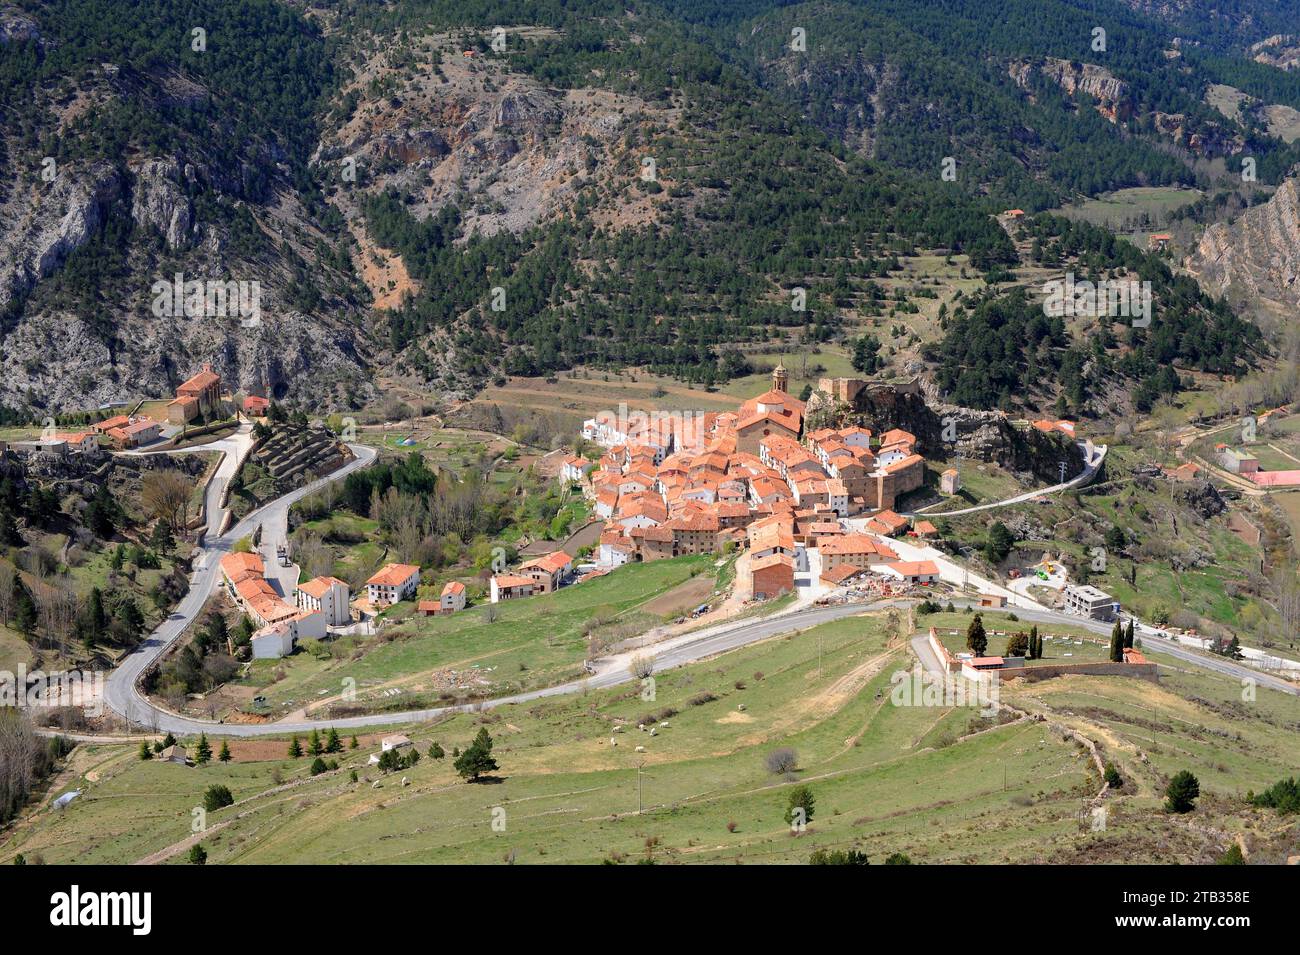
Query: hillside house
x=392 y=583
x=511 y=587
x=574 y=469
x=139 y=431
x=771 y=576
x=912 y=571
x=548 y=571
x=328 y=595
x=452 y=597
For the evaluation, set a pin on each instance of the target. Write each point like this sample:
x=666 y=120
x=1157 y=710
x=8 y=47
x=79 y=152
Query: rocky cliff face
x=979 y=435
x=160 y=203
x=508 y=151
x=1256 y=257
x=60 y=353
x=44 y=224
x=1112 y=94
x=1280 y=50
x=1208 y=139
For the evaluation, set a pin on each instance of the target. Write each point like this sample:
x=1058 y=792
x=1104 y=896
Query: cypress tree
x=1117 y=643
x=976 y=640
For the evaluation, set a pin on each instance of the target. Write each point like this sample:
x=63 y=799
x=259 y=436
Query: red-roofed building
x=547 y=571
x=392 y=583
x=256 y=406
x=855 y=550
x=841 y=574
x=329 y=595
x=652 y=543
x=511 y=587
x=452 y=598
x=139 y=431
x=771 y=576
x=913 y=571
x=887 y=523
x=695 y=534
x=200 y=395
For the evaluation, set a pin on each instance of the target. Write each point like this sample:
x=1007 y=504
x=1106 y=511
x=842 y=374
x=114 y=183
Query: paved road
x=120 y=693
x=1093 y=458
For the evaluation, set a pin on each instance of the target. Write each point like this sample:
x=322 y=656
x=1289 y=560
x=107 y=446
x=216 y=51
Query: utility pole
x=1062 y=481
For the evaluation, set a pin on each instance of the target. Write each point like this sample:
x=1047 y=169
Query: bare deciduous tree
x=641 y=666
x=166 y=495
x=781 y=761
x=18 y=752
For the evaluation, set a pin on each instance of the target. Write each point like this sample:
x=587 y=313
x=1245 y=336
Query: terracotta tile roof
x=393 y=575
x=239 y=566
x=897 y=436
x=512 y=580
x=204 y=379
x=319 y=586
x=850 y=544
x=887 y=522
x=452 y=587
x=695 y=522
x=790 y=422
x=826 y=528
x=901 y=463
x=915 y=568
x=842 y=572
x=551 y=563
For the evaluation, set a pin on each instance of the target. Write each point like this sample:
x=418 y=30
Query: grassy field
x=1116 y=210
x=14 y=650
x=885 y=777
x=569 y=796
x=495 y=649
x=1289 y=501
x=981 y=483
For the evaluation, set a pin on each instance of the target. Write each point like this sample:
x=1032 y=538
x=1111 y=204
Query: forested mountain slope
x=453 y=191
x=141 y=150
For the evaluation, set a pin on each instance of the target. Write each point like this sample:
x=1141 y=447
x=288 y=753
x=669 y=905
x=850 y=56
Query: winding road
x=1094 y=456
x=121 y=692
